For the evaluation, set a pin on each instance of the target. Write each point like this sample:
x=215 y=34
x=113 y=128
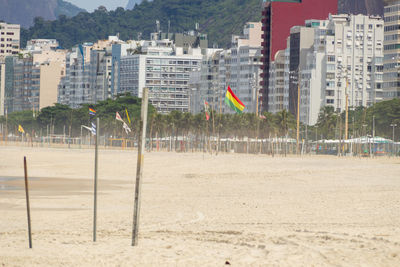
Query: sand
x=200 y=210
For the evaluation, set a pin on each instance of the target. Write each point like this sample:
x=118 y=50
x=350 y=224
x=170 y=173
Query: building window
x=331 y=58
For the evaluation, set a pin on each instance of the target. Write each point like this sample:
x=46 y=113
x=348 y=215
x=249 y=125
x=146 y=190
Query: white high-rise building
x=391 y=88
x=277 y=96
x=237 y=67
x=74 y=88
x=164 y=69
x=346 y=61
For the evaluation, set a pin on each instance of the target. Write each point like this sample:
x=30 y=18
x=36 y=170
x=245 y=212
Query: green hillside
x=218 y=18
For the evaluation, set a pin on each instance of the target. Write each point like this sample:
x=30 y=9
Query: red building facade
x=277 y=19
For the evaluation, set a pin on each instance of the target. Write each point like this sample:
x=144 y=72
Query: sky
x=91 y=5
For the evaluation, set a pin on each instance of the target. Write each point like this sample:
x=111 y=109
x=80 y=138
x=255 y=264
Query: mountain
x=131 y=4
x=218 y=18
x=24 y=11
x=366 y=7
x=67 y=9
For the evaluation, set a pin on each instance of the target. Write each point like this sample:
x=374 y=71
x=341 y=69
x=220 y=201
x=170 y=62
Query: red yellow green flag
x=233 y=101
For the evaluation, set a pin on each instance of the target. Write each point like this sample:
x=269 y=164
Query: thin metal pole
x=139 y=169
x=28 y=209
x=95 y=178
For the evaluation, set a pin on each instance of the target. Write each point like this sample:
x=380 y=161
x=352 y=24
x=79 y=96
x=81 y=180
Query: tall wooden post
x=139 y=169
x=95 y=178
x=298 y=116
x=28 y=208
x=346 y=129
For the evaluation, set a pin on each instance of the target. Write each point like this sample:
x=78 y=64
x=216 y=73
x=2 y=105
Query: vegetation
x=330 y=124
x=360 y=120
x=219 y=19
x=60 y=119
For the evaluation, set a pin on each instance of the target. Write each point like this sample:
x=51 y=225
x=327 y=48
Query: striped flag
x=93 y=129
x=118 y=117
x=92 y=112
x=233 y=101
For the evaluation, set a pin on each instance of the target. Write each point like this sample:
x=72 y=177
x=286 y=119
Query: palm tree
x=327 y=119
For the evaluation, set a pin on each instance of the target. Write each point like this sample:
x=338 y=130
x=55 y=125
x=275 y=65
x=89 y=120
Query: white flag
x=126 y=128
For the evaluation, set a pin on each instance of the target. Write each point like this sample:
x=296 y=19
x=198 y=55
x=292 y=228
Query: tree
x=326 y=123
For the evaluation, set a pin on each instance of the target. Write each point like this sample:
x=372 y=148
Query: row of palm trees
x=223 y=125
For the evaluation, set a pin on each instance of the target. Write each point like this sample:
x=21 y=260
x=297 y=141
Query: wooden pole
x=298 y=117
x=95 y=178
x=346 y=131
x=139 y=169
x=28 y=209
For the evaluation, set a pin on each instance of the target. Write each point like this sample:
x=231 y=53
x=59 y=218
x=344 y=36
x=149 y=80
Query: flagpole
x=139 y=169
x=28 y=209
x=95 y=178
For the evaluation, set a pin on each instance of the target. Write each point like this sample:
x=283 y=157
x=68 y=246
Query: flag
x=206 y=109
x=127 y=115
x=118 y=117
x=93 y=129
x=233 y=101
x=20 y=129
x=126 y=128
x=92 y=112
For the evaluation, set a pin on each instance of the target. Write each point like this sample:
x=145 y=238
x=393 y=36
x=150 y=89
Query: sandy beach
x=200 y=209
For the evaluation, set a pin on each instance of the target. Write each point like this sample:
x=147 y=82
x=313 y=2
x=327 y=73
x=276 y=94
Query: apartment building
x=9 y=39
x=278 y=18
x=21 y=83
x=346 y=62
x=391 y=86
x=278 y=95
x=2 y=88
x=100 y=74
x=164 y=69
x=35 y=45
x=88 y=73
x=237 y=67
x=75 y=88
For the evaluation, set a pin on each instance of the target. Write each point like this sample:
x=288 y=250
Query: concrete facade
x=9 y=40
x=330 y=59
x=392 y=50
x=22 y=84
x=347 y=59
x=164 y=69
x=237 y=67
